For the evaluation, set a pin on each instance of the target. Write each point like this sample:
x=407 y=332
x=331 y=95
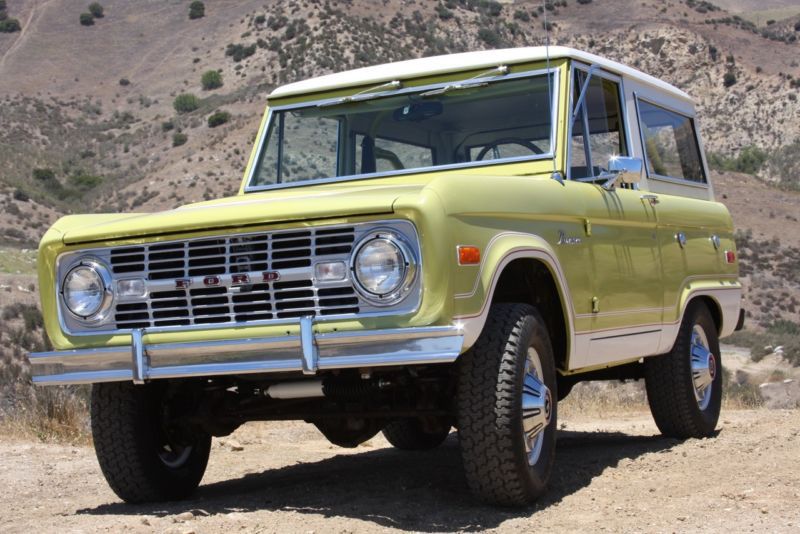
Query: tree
x=211 y=79
x=86 y=19
x=218 y=118
x=96 y=10
x=197 y=10
x=185 y=103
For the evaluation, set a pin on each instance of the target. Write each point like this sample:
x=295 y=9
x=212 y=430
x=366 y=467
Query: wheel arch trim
x=501 y=251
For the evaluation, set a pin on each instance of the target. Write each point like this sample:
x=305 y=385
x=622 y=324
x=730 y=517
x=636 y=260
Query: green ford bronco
x=448 y=242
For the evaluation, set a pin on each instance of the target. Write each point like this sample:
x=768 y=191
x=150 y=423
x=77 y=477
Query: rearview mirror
x=418 y=111
x=624 y=169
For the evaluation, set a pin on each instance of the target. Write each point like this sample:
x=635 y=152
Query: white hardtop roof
x=430 y=66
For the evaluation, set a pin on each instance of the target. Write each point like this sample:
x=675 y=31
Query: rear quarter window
x=670 y=143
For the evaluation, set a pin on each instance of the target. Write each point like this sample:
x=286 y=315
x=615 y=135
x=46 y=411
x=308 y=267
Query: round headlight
x=87 y=290
x=383 y=268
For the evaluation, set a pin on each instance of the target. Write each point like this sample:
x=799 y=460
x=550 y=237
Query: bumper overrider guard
x=307 y=353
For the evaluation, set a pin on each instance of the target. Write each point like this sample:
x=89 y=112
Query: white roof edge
x=431 y=66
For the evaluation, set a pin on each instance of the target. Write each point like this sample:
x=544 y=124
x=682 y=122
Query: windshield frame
x=273 y=114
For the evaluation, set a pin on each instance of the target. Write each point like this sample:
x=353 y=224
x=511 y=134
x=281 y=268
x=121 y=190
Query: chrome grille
x=228 y=300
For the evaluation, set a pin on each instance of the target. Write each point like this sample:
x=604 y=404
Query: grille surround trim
x=329 y=298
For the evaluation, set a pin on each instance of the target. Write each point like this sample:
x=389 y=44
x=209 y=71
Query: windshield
x=463 y=124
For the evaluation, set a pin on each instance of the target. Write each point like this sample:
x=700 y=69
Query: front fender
x=472 y=305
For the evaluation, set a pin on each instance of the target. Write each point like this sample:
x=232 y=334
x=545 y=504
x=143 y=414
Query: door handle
x=652 y=199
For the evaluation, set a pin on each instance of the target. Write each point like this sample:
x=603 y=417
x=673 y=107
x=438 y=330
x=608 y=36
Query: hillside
x=87 y=120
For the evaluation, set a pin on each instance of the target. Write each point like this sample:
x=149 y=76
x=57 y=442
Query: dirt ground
x=613 y=475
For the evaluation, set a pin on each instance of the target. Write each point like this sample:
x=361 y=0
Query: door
x=621 y=227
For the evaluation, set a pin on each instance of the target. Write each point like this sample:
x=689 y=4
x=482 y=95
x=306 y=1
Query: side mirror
x=624 y=169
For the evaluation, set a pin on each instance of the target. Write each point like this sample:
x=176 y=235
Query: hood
x=252 y=209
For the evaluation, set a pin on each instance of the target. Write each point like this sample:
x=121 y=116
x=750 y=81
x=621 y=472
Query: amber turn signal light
x=469 y=255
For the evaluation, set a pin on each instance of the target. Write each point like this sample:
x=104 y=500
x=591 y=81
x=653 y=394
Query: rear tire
x=684 y=386
x=412 y=435
x=506 y=412
x=141 y=459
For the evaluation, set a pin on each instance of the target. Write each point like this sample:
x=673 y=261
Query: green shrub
x=167 y=126
x=86 y=19
x=211 y=79
x=84 y=182
x=124 y=82
x=219 y=118
x=522 y=15
x=443 y=12
x=44 y=175
x=96 y=10
x=185 y=103
x=9 y=26
x=197 y=10
x=3 y=5
x=749 y=161
x=489 y=36
x=729 y=79
x=179 y=139
x=239 y=51
x=20 y=195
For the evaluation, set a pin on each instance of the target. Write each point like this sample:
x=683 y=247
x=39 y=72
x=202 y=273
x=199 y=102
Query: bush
x=179 y=139
x=84 y=182
x=44 y=175
x=211 y=79
x=86 y=19
x=20 y=195
x=9 y=26
x=239 y=51
x=584 y=1
x=185 y=103
x=522 y=15
x=729 y=79
x=749 y=161
x=197 y=10
x=443 y=12
x=167 y=126
x=489 y=36
x=219 y=118
x=96 y=10
x=124 y=82
x=3 y=5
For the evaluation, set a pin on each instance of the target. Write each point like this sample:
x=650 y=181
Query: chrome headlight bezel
x=409 y=268
x=106 y=303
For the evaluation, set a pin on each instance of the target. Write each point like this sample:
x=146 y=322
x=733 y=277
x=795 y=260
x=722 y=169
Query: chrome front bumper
x=307 y=353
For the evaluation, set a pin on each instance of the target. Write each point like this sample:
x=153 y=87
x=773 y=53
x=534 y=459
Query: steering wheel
x=507 y=141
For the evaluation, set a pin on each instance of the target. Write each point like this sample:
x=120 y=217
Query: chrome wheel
x=174 y=456
x=704 y=366
x=536 y=406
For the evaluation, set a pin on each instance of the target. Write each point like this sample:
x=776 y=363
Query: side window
x=670 y=143
x=601 y=116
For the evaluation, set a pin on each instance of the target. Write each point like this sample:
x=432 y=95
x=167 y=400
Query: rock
x=235 y=445
x=145 y=521
x=780 y=395
x=183 y=517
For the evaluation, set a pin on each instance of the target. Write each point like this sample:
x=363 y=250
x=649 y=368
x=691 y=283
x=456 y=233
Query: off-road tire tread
x=668 y=380
x=493 y=466
x=117 y=412
x=408 y=435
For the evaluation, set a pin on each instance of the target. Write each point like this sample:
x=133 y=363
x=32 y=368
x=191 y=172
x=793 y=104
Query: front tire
x=143 y=458
x=506 y=413
x=684 y=386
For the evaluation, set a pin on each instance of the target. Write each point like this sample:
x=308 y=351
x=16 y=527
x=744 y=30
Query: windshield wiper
x=366 y=94
x=502 y=70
